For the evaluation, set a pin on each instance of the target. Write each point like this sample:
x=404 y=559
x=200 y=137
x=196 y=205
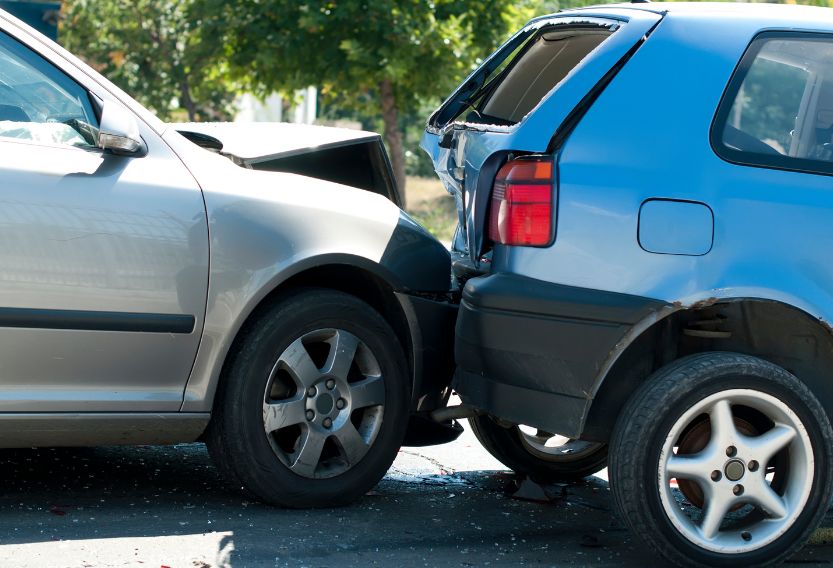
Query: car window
x=778 y=110
x=41 y=104
x=523 y=72
x=539 y=67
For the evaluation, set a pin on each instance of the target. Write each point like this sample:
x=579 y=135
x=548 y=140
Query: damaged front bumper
x=432 y=322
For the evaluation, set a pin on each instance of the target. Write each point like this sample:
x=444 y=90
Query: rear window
x=535 y=72
x=523 y=72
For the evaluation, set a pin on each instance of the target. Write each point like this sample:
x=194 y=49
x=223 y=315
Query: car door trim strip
x=96 y=321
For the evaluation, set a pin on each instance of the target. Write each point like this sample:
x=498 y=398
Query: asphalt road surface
x=450 y=505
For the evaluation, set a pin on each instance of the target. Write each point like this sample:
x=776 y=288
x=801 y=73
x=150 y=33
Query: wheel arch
x=772 y=330
x=358 y=276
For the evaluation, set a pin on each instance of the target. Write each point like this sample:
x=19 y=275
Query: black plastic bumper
x=432 y=332
x=431 y=325
x=530 y=351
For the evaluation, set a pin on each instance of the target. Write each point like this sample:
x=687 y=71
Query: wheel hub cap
x=327 y=413
x=734 y=470
x=324 y=403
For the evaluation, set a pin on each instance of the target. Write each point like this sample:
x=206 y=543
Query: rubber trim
x=96 y=321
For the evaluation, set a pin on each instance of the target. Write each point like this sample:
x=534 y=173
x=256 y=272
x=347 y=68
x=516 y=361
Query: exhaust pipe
x=454 y=413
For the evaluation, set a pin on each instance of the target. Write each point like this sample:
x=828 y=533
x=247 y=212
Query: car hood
x=249 y=143
x=348 y=157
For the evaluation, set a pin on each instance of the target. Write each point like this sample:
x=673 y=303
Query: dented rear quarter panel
x=647 y=137
x=468 y=166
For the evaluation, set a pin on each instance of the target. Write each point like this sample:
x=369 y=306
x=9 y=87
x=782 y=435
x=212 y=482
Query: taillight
x=522 y=202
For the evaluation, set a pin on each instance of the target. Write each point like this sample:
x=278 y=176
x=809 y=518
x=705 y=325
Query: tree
x=369 y=56
x=154 y=50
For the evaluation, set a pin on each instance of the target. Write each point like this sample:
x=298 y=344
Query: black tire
x=662 y=417
x=511 y=448
x=262 y=464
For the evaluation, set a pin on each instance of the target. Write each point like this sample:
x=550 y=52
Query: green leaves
x=155 y=50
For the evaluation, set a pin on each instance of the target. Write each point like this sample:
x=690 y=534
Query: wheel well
x=776 y=332
x=352 y=280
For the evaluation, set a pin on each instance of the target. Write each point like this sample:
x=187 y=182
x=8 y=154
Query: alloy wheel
x=752 y=488
x=324 y=403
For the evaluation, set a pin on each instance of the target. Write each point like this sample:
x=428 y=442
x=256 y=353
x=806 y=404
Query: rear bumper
x=531 y=352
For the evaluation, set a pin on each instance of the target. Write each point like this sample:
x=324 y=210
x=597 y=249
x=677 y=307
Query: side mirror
x=119 y=131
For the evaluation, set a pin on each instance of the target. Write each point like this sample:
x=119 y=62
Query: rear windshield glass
x=543 y=64
x=523 y=73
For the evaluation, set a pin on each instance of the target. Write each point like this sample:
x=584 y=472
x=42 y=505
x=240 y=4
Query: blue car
x=646 y=218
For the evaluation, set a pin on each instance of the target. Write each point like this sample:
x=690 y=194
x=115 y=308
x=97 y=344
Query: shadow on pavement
x=167 y=506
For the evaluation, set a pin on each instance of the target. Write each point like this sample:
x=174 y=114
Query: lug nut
x=331 y=384
x=752 y=466
x=746 y=535
x=341 y=403
x=311 y=392
x=716 y=476
x=737 y=490
x=731 y=451
x=310 y=415
x=328 y=423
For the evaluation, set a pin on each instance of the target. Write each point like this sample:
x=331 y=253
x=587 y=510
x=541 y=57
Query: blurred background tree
x=156 y=51
x=380 y=58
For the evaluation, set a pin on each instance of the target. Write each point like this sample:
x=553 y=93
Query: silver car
x=163 y=284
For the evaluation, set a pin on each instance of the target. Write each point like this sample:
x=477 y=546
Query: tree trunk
x=393 y=134
x=187 y=102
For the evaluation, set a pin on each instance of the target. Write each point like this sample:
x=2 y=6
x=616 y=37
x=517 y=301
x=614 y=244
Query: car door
x=103 y=258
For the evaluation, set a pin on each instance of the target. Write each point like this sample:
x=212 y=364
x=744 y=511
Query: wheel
x=541 y=455
x=314 y=406
x=734 y=470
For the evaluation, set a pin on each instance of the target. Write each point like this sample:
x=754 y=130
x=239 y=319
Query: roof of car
x=780 y=13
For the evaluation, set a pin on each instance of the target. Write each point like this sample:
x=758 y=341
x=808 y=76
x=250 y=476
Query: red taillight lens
x=522 y=204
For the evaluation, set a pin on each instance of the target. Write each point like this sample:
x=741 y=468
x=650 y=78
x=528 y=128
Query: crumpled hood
x=250 y=143
x=348 y=157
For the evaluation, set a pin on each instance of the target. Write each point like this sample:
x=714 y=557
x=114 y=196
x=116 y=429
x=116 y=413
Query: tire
x=755 y=438
x=324 y=374
x=526 y=453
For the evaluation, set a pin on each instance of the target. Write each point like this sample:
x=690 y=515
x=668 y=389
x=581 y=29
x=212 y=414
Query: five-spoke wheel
x=735 y=475
x=722 y=459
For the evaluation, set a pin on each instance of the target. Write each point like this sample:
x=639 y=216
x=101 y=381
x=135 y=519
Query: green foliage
x=348 y=47
x=153 y=49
